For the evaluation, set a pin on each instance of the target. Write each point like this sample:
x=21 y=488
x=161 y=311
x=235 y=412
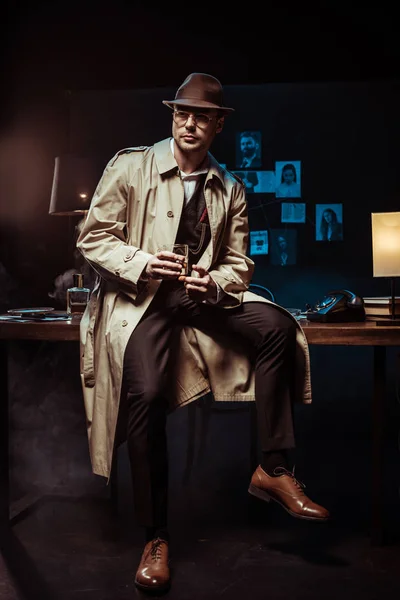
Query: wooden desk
x=10 y=331
x=324 y=334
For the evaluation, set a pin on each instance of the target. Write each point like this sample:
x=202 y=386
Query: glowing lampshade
x=386 y=251
x=74 y=182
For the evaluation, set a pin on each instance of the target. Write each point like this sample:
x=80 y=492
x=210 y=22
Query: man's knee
x=287 y=327
x=281 y=326
x=151 y=394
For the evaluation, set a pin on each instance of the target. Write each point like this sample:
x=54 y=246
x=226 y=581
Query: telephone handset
x=338 y=306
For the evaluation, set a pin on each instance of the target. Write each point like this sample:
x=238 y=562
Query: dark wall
x=344 y=133
x=51 y=53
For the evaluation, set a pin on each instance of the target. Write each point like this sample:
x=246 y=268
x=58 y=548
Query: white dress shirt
x=190 y=183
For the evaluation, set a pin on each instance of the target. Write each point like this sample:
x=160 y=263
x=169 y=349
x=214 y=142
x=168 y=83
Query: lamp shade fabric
x=386 y=244
x=74 y=182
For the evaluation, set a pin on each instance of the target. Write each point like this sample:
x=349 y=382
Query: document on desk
x=41 y=319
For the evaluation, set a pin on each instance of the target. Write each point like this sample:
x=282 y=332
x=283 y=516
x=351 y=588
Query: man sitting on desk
x=153 y=339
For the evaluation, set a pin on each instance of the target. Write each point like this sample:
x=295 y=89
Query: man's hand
x=199 y=288
x=164 y=265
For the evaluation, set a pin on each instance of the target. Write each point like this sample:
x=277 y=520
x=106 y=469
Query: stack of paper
x=381 y=306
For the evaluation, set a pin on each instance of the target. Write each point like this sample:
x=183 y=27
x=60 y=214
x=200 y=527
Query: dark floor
x=76 y=549
x=225 y=543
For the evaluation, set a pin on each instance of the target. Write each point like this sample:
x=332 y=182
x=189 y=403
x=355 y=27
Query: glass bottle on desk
x=77 y=296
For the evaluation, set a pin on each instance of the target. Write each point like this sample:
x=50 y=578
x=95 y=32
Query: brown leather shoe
x=288 y=492
x=153 y=571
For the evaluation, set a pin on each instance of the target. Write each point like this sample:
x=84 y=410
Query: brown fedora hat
x=201 y=91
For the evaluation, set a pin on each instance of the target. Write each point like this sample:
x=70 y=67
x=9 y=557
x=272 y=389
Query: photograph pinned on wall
x=258 y=242
x=288 y=179
x=257 y=182
x=293 y=212
x=248 y=149
x=328 y=222
x=283 y=247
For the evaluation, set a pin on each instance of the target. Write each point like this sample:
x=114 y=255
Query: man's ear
x=220 y=124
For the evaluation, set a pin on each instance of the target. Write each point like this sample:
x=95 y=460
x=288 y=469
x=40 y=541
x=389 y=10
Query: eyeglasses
x=181 y=117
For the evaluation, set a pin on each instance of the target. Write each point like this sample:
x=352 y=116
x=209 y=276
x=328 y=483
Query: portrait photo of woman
x=329 y=227
x=288 y=179
x=283 y=249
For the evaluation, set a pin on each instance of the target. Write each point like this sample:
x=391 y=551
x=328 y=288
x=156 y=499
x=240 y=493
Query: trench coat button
x=116 y=273
x=170 y=213
x=124 y=323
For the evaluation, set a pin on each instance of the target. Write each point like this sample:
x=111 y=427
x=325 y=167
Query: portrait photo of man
x=248 y=150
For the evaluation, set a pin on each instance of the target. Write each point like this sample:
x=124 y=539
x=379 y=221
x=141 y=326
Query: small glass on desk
x=182 y=250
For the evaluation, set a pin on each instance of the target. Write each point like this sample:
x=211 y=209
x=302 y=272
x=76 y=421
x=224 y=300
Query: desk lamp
x=386 y=254
x=74 y=182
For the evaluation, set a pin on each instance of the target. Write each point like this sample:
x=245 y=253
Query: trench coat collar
x=166 y=162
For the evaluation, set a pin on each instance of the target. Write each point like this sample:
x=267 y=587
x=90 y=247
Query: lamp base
x=392 y=317
x=388 y=322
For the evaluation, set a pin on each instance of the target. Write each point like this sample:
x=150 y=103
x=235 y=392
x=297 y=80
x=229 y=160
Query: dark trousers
x=261 y=330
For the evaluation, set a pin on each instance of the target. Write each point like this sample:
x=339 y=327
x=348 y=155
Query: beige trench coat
x=135 y=209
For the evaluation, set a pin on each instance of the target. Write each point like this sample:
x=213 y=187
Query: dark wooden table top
x=366 y=333
x=335 y=334
x=38 y=330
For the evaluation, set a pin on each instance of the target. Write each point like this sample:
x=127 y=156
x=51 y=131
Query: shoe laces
x=282 y=471
x=156 y=548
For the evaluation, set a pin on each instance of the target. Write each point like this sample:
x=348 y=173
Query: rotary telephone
x=339 y=306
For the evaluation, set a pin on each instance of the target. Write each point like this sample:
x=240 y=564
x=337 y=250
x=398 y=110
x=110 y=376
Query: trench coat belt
x=88 y=357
